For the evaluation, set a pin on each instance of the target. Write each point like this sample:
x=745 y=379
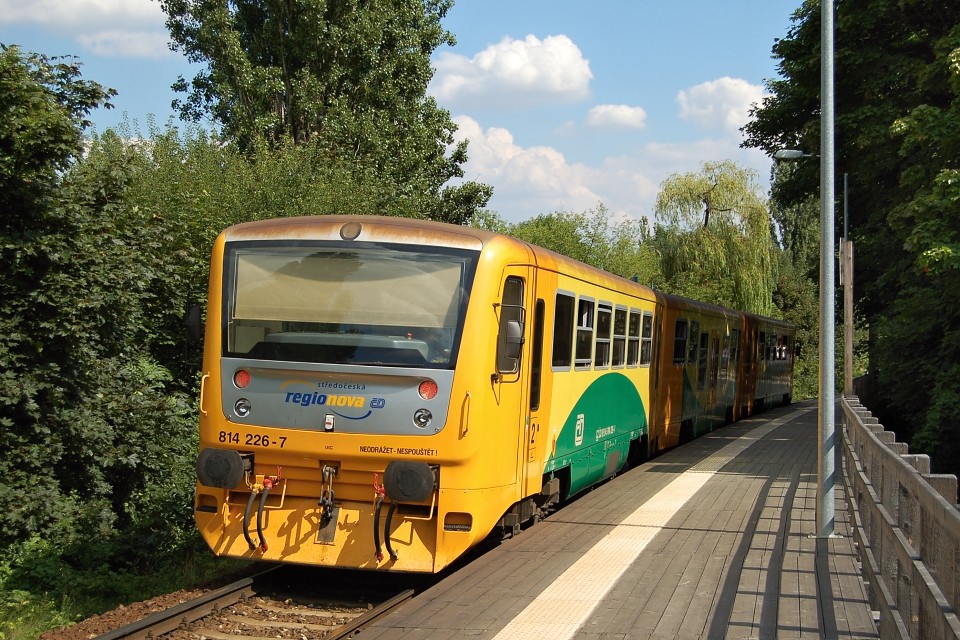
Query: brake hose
x=386 y=531
x=246 y=520
x=267 y=485
x=376 y=526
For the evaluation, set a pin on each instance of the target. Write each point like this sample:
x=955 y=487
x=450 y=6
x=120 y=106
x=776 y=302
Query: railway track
x=256 y=608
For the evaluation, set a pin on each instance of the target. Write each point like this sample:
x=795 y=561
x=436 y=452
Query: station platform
x=714 y=539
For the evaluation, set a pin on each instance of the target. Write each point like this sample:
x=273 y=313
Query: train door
x=747 y=367
x=533 y=465
x=516 y=382
x=656 y=413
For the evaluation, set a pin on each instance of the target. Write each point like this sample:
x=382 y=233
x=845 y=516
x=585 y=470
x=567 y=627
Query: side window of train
x=563 y=331
x=715 y=362
x=536 y=355
x=646 y=344
x=604 y=325
x=762 y=346
x=734 y=347
x=584 y=347
x=633 y=340
x=725 y=351
x=619 y=336
x=702 y=360
x=694 y=334
x=680 y=342
x=510 y=339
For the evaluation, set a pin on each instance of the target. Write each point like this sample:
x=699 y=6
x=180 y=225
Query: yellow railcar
x=382 y=393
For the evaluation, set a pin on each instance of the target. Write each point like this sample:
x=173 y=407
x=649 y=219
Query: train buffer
x=715 y=539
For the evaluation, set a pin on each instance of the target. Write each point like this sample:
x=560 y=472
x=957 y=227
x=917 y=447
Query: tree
x=620 y=247
x=349 y=75
x=898 y=102
x=80 y=399
x=714 y=237
x=45 y=104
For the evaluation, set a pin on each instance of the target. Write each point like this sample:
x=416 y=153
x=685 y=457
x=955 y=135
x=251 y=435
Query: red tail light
x=241 y=378
x=428 y=389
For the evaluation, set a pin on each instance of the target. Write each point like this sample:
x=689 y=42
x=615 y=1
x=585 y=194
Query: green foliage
x=44 y=104
x=48 y=583
x=898 y=105
x=348 y=77
x=620 y=247
x=25 y=616
x=94 y=493
x=714 y=237
x=72 y=287
x=795 y=298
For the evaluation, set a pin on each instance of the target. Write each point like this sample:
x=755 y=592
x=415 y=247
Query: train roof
x=373 y=228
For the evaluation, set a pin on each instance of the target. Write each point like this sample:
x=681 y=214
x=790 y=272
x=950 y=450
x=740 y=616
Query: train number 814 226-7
x=252 y=439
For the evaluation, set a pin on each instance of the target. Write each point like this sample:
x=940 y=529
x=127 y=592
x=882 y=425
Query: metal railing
x=907 y=529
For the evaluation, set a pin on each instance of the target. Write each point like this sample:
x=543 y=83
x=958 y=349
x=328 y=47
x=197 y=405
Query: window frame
x=680 y=353
x=633 y=337
x=571 y=319
x=585 y=323
x=646 y=354
x=510 y=310
x=603 y=346
x=619 y=345
x=693 y=342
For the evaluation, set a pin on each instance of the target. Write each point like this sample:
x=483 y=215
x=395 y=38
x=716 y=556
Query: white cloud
x=135 y=44
x=529 y=181
x=719 y=105
x=69 y=14
x=513 y=72
x=617 y=116
x=133 y=28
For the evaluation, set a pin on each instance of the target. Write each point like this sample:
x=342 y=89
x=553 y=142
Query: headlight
x=242 y=407
x=422 y=418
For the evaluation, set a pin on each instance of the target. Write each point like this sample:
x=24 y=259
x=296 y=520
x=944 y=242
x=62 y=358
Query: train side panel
x=599 y=354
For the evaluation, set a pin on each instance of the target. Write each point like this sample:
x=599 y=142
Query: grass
x=26 y=615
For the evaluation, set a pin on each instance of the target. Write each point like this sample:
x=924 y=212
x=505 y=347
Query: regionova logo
x=332 y=396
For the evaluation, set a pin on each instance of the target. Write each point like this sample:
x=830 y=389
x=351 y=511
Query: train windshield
x=384 y=305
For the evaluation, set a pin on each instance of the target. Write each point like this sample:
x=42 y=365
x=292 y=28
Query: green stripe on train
x=595 y=438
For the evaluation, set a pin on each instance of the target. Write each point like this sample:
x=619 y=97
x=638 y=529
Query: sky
x=567 y=104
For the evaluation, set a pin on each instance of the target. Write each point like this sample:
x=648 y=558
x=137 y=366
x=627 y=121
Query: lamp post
x=826 y=475
x=826 y=454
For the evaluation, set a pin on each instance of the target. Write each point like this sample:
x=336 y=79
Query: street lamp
x=826 y=454
x=790 y=154
x=825 y=409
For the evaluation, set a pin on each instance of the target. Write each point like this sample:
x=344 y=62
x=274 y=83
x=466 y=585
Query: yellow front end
x=477 y=456
x=333 y=519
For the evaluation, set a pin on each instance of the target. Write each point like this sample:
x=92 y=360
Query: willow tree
x=714 y=236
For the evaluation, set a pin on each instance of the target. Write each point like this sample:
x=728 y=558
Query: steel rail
x=174 y=618
x=171 y=619
x=364 y=620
